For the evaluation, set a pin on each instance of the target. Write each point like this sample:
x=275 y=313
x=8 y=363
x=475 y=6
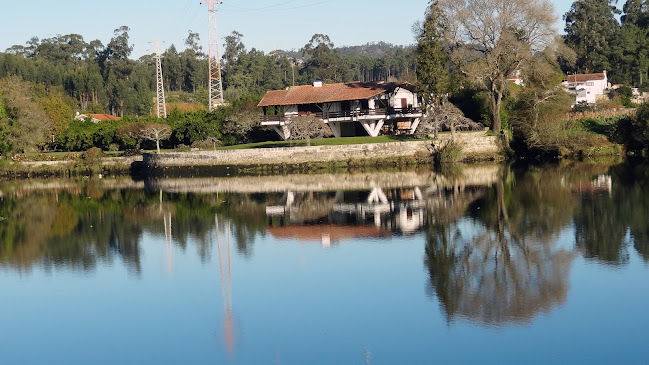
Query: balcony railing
x=344 y=114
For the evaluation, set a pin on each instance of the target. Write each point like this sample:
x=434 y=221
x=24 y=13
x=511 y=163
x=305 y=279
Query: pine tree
x=431 y=58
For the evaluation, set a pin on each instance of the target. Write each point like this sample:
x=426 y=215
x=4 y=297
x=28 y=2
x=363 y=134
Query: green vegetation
x=464 y=60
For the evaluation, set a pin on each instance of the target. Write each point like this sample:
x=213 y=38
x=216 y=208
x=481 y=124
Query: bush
x=183 y=148
x=633 y=132
x=206 y=144
x=448 y=151
x=92 y=154
x=131 y=153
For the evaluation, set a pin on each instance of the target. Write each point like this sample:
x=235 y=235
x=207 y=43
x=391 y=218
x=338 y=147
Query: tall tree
x=491 y=39
x=592 y=32
x=431 y=56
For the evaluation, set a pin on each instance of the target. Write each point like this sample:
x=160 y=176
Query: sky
x=265 y=24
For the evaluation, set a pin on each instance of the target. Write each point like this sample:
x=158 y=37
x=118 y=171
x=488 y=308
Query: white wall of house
x=290 y=110
x=585 y=96
x=411 y=98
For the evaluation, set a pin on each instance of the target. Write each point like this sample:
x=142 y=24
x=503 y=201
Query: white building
x=587 y=87
x=349 y=109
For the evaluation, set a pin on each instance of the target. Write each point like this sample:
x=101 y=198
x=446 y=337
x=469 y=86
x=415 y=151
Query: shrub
x=448 y=151
x=92 y=154
x=183 y=148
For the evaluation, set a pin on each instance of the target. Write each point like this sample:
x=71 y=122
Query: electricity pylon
x=214 y=57
x=161 y=105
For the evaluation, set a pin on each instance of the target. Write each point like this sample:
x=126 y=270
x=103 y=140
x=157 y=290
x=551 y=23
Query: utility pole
x=214 y=57
x=161 y=104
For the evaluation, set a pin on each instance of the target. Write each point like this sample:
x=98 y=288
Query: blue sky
x=265 y=24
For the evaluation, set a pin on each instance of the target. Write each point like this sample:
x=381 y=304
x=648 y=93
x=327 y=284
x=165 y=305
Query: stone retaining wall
x=105 y=161
x=475 y=144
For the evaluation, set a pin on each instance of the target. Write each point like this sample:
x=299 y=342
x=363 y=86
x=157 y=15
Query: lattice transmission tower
x=161 y=104
x=215 y=82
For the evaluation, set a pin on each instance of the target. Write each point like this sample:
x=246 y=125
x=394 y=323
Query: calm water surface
x=481 y=264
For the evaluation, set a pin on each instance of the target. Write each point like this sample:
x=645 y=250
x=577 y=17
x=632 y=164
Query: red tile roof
x=335 y=233
x=329 y=93
x=586 y=77
x=103 y=117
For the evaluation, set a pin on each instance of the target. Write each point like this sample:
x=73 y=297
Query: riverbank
x=107 y=166
x=475 y=146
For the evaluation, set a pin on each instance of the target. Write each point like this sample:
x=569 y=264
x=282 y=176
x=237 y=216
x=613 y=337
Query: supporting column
x=283 y=131
x=414 y=124
x=335 y=129
x=372 y=128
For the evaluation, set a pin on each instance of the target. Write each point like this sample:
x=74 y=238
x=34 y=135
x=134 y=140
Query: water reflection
x=491 y=235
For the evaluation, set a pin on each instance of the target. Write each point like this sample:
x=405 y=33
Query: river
x=477 y=264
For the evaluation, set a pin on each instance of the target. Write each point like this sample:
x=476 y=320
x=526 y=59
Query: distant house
x=516 y=78
x=588 y=88
x=96 y=118
x=349 y=109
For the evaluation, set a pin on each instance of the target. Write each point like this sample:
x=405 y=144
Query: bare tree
x=155 y=132
x=447 y=115
x=492 y=39
x=308 y=127
x=149 y=131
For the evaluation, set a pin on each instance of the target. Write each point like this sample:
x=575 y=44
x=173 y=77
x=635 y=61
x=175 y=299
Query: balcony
x=352 y=116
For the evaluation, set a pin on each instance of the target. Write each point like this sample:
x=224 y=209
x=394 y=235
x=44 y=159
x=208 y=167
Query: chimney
x=317 y=83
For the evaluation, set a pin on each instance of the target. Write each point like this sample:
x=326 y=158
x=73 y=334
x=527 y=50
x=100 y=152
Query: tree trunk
x=308 y=141
x=157 y=144
x=496 y=100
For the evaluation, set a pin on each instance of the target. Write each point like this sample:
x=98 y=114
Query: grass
x=322 y=142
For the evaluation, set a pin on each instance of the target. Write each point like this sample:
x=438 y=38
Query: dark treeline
x=104 y=79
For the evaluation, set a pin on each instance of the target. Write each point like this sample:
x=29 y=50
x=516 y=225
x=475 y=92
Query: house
x=96 y=118
x=587 y=87
x=349 y=109
x=515 y=78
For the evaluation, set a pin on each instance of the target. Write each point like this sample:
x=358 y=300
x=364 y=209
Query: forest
x=45 y=82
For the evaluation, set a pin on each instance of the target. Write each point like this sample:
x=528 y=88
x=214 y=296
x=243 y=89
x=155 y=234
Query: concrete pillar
x=414 y=124
x=335 y=129
x=283 y=131
x=372 y=127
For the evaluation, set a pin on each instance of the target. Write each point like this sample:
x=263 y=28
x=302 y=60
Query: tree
x=28 y=125
x=592 y=31
x=322 y=62
x=155 y=132
x=446 y=115
x=491 y=39
x=141 y=131
x=307 y=128
x=431 y=57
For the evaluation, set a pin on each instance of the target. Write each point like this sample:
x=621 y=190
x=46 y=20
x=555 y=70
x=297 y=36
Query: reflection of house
x=349 y=109
x=587 y=87
x=345 y=215
x=602 y=184
x=96 y=118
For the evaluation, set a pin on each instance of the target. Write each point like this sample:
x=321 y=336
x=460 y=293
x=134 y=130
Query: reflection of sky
x=304 y=304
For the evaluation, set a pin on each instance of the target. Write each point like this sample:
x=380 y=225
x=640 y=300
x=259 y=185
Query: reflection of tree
x=502 y=266
x=599 y=232
x=630 y=194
